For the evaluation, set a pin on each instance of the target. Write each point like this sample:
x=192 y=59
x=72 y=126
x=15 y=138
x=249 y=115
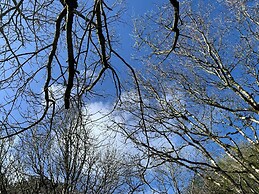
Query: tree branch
x=70 y=52
x=175 y=28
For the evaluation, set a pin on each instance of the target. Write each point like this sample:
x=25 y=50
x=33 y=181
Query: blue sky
x=134 y=9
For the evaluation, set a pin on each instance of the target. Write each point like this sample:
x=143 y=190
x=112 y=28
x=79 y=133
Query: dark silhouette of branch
x=52 y=54
x=100 y=34
x=70 y=51
x=175 y=28
x=72 y=4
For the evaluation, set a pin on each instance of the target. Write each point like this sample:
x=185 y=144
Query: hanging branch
x=100 y=34
x=52 y=54
x=102 y=43
x=71 y=5
x=175 y=28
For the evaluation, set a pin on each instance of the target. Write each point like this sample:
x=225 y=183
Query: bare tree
x=200 y=101
x=200 y=184
x=69 y=159
x=6 y=165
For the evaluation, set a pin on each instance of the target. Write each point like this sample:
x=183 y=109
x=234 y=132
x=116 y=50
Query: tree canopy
x=78 y=116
